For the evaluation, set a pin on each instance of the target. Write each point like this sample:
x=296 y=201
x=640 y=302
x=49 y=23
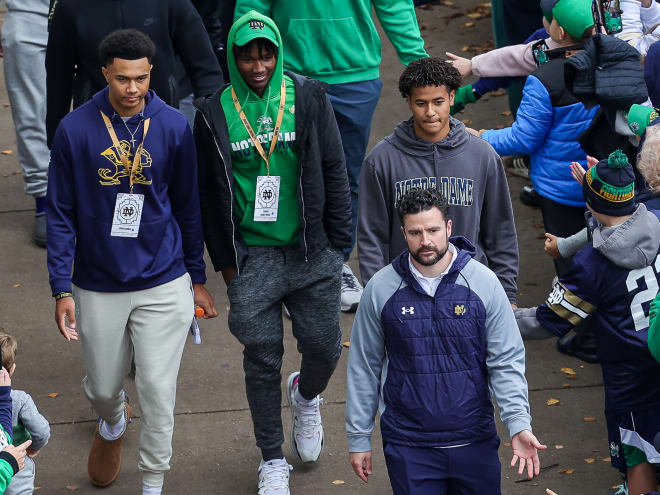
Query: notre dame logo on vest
x=459 y=309
x=112 y=176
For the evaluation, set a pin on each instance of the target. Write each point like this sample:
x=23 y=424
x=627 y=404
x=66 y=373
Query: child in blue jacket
x=549 y=122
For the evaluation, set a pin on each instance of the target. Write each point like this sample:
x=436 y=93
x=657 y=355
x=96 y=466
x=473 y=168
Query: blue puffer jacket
x=437 y=384
x=547 y=126
x=434 y=358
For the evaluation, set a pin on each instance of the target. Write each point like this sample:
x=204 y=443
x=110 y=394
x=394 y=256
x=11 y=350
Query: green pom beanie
x=609 y=186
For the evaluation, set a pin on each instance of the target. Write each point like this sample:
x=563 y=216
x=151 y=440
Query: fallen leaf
x=507 y=444
x=37 y=488
x=590 y=460
x=506 y=113
x=448 y=3
x=568 y=371
x=559 y=447
x=467 y=25
x=567 y=385
x=475 y=15
x=338 y=482
x=7 y=105
x=567 y=471
x=73 y=488
x=347 y=343
x=606 y=459
x=17 y=172
x=551 y=402
x=582 y=366
x=571 y=377
x=465 y=48
x=499 y=92
x=16 y=286
x=7 y=152
x=53 y=395
x=467 y=121
x=589 y=419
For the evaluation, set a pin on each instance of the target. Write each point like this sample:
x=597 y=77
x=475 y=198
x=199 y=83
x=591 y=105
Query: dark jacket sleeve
x=61 y=59
x=193 y=46
x=184 y=197
x=211 y=190
x=5 y=410
x=373 y=229
x=497 y=231
x=61 y=226
x=337 y=214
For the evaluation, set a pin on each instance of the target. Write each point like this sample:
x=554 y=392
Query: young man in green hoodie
x=336 y=42
x=276 y=213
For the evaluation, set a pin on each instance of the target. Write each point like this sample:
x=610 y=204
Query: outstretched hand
x=525 y=448
x=578 y=172
x=464 y=65
x=551 y=247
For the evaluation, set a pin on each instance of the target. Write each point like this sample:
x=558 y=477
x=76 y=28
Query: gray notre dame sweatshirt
x=468 y=172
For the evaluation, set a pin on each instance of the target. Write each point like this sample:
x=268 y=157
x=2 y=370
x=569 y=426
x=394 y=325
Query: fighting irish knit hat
x=609 y=186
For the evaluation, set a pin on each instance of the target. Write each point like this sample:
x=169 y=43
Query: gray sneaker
x=40 y=229
x=351 y=290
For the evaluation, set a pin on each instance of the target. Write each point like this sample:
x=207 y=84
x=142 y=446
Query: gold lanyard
x=124 y=159
x=250 y=131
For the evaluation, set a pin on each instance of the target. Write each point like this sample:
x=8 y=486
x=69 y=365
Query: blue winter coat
x=547 y=126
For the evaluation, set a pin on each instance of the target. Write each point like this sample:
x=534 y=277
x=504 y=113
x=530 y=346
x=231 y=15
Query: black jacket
x=323 y=193
x=607 y=72
x=78 y=27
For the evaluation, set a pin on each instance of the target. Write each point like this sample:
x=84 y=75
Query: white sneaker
x=351 y=290
x=306 y=427
x=274 y=477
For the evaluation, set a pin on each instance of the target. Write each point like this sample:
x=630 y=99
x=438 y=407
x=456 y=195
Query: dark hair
x=127 y=44
x=263 y=44
x=418 y=199
x=430 y=71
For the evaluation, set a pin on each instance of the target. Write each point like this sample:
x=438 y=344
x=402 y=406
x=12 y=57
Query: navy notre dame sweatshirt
x=85 y=176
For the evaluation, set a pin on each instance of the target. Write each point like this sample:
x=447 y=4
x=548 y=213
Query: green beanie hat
x=575 y=16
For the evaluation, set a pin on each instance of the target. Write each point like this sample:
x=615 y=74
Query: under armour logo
x=408 y=311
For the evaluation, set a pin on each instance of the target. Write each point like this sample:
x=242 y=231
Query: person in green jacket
x=336 y=42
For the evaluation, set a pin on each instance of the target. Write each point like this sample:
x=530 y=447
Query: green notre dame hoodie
x=246 y=160
x=335 y=41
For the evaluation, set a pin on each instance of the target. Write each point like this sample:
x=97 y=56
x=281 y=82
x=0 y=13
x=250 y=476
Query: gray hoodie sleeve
x=498 y=230
x=373 y=228
x=367 y=361
x=568 y=246
x=506 y=363
x=28 y=414
x=529 y=326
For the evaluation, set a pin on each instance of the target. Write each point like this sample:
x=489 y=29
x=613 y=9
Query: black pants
x=562 y=221
x=311 y=291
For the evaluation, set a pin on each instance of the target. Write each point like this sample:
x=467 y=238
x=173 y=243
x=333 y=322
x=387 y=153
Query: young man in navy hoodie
x=123 y=208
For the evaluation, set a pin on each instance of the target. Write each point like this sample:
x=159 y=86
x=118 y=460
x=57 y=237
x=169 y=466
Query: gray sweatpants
x=24 y=38
x=151 y=325
x=311 y=291
x=22 y=483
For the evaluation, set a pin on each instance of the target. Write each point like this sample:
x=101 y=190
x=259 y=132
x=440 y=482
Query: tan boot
x=104 y=461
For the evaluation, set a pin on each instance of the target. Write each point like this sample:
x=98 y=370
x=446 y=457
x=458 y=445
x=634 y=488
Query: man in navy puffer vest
x=433 y=333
